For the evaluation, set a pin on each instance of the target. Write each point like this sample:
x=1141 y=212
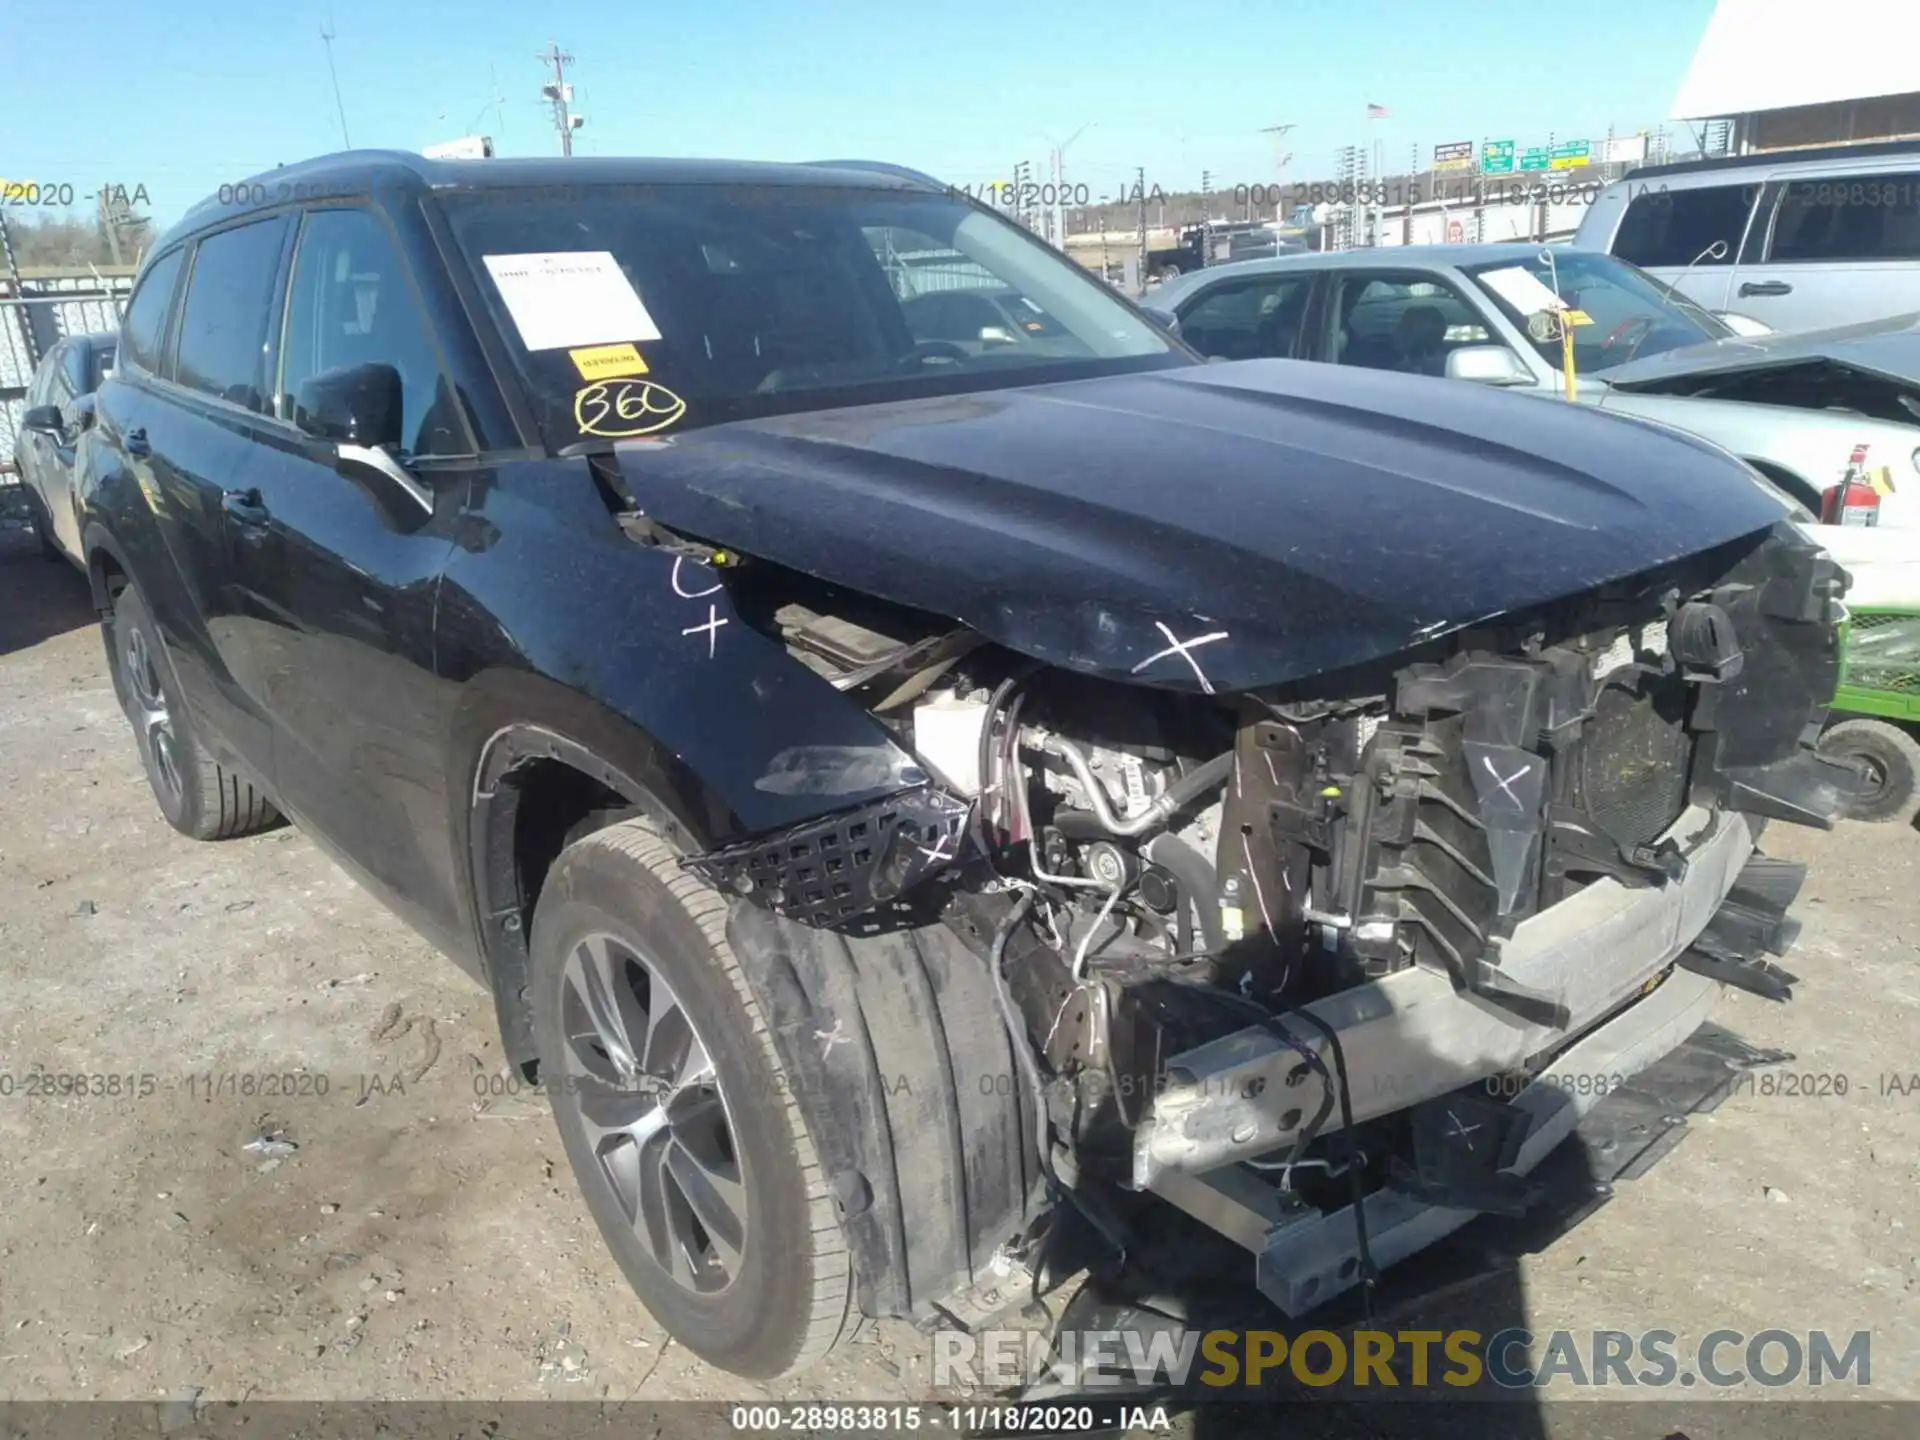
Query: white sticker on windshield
x=1522 y=289
x=570 y=297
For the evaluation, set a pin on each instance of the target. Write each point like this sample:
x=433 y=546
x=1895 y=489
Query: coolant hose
x=1184 y=791
x=1199 y=885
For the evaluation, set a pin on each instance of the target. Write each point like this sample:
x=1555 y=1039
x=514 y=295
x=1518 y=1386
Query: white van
x=1798 y=239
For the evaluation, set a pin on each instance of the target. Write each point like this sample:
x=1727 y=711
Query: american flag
x=1376 y=112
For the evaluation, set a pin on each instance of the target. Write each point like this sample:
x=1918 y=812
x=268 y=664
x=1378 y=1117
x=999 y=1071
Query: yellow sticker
x=621 y=409
x=1574 y=317
x=602 y=362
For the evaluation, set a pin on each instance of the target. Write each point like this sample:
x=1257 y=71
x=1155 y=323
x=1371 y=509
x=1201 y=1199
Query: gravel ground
x=424 y=1239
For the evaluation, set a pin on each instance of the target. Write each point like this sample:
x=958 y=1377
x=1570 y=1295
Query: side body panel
x=1810 y=445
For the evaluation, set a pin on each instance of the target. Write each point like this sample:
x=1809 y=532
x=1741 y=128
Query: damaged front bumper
x=1637 y=970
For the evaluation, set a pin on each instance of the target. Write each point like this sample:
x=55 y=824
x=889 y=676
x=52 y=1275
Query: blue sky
x=183 y=96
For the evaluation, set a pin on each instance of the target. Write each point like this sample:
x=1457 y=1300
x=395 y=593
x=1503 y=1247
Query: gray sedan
x=1801 y=409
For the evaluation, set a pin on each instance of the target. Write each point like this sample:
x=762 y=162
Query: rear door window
x=41 y=388
x=1675 y=228
x=145 y=325
x=1249 y=319
x=225 y=321
x=74 y=366
x=1409 y=323
x=1863 y=217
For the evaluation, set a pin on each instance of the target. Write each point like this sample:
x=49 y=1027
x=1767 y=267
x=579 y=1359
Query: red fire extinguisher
x=1854 y=501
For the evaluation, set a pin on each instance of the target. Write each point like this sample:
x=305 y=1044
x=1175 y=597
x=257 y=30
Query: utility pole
x=1206 y=218
x=1140 y=189
x=326 y=38
x=110 y=224
x=560 y=93
x=1060 y=186
x=1281 y=155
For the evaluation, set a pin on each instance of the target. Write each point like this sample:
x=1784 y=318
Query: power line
x=498 y=104
x=326 y=38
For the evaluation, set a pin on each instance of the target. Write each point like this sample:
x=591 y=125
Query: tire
x=198 y=797
x=1791 y=489
x=736 y=1248
x=1892 y=760
x=42 y=524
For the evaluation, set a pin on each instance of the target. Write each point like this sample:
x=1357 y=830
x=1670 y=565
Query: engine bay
x=1150 y=875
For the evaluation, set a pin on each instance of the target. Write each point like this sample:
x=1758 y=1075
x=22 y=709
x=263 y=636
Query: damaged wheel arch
x=540 y=761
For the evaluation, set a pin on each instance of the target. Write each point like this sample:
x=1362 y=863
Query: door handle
x=135 y=441
x=1765 y=287
x=245 y=506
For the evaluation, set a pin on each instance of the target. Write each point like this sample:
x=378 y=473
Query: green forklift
x=1875 y=716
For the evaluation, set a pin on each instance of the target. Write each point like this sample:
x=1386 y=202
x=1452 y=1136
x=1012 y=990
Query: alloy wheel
x=646 y=1090
x=152 y=719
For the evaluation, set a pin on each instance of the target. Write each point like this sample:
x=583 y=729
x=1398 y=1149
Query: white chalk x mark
x=830 y=1038
x=1506 y=785
x=1184 y=649
x=712 y=628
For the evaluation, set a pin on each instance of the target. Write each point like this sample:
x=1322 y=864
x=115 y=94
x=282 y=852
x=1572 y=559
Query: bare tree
x=65 y=239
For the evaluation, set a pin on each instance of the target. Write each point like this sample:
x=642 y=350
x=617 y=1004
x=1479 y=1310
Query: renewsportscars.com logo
x=1447 y=1361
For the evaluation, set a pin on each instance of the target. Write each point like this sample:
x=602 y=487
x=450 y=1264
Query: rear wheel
x=671 y=1101
x=1891 y=759
x=197 y=796
x=42 y=524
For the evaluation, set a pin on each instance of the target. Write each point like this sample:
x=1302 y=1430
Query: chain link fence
x=38 y=308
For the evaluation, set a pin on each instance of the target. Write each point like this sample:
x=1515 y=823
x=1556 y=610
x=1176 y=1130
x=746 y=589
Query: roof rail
x=1866 y=151
x=880 y=167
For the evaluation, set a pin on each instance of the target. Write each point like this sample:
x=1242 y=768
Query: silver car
x=1800 y=409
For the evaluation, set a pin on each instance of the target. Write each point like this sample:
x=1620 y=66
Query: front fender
x=542 y=581
x=571 y=642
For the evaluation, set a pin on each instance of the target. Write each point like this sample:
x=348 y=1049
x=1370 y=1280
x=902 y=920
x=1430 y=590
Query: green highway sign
x=1571 y=155
x=1496 y=157
x=1535 y=159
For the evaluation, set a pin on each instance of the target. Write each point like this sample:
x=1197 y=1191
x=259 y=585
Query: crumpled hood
x=1215 y=527
x=1889 y=348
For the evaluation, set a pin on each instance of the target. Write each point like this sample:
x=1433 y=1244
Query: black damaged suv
x=906 y=745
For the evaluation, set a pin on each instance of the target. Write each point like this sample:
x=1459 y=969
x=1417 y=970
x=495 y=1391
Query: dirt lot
x=424 y=1240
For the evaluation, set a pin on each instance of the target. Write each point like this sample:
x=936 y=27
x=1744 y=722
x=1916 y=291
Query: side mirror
x=996 y=335
x=354 y=405
x=44 y=418
x=1488 y=365
x=1744 y=325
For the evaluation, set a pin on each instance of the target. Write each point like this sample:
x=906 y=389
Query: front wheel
x=671 y=1101
x=1891 y=758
